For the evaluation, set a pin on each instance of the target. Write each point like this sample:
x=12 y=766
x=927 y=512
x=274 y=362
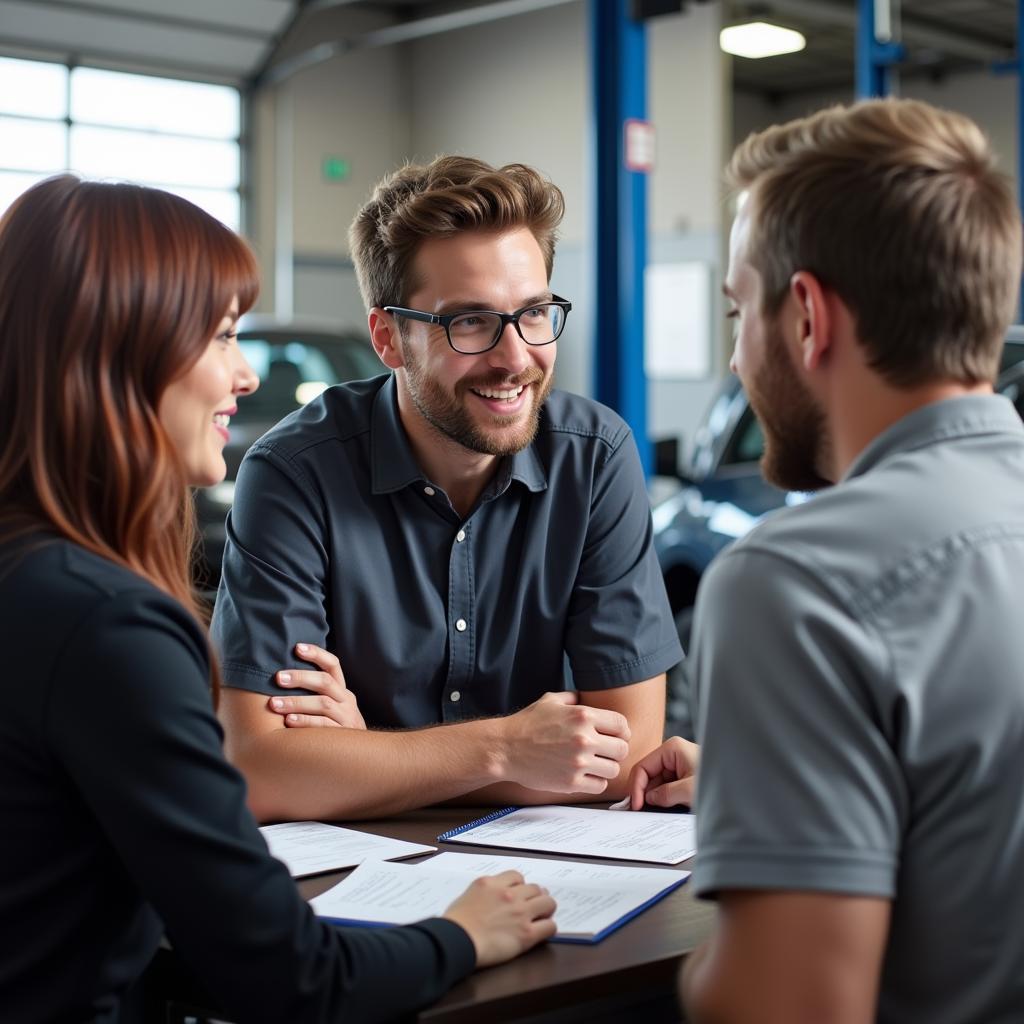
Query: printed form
x=593 y=899
x=311 y=847
x=586 y=832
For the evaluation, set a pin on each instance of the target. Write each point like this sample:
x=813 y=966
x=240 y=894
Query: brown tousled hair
x=108 y=293
x=899 y=208
x=443 y=198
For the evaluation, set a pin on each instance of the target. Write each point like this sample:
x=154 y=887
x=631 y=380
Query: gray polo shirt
x=859 y=671
x=337 y=538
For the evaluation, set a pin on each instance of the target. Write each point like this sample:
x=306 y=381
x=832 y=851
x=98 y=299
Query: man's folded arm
x=295 y=774
x=557 y=744
x=641 y=704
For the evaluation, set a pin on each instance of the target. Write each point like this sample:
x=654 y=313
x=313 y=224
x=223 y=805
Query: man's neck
x=866 y=408
x=460 y=472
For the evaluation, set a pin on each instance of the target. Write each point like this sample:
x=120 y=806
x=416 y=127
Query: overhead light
x=759 y=39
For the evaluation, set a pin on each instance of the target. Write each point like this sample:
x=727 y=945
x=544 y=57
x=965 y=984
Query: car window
x=1011 y=384
x=747 y=442
x=294 y=370
x=1013 y=353
x=1011 y=374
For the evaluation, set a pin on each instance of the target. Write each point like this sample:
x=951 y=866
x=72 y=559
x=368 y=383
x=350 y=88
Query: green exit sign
x=336 y=169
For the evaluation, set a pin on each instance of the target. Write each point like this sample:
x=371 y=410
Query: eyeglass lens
x=475 y=332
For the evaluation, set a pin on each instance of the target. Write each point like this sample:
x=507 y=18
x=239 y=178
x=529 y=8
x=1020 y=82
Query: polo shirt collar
x=950 y=418
x=393 y=464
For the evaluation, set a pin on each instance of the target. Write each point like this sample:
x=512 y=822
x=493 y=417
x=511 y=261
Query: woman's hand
x=503 y=916
x=331 y=703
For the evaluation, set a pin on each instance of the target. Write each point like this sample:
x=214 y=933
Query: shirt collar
x=393 y=464
x=950 y=418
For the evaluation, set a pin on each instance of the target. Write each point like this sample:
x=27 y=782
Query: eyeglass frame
x=445 y=320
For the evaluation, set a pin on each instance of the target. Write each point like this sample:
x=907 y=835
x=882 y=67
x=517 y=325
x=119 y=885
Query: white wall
x=514 y=90
x=517 y=90
x=690 y=101
x=356 y=107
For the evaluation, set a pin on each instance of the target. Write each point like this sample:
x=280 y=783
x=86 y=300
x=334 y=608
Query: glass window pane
x=32 y=88
x=154 y=159
x=156 y=104
x=32 y=145
x=226 y=206
x=12 y=184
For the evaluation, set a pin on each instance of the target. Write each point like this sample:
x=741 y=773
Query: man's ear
x=384 y=338
x=813 y=318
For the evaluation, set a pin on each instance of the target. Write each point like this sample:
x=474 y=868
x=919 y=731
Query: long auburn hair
x=108 y=293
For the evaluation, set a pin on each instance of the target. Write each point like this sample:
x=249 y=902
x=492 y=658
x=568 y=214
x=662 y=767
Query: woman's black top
x=121 y=820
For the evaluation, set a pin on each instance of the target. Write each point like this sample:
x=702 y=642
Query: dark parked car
x=295 y=362
x=720 y=493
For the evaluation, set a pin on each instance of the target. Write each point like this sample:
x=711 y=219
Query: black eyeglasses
x=472 y=331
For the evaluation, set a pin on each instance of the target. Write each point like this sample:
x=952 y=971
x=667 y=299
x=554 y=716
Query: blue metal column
x=1020 y=107
x=619 y=81
x=874 y=59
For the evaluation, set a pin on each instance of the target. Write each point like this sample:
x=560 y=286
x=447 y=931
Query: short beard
x=796 y=440
x=448 y=415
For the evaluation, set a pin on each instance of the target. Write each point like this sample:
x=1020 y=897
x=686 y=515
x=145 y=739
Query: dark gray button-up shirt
x=337 y=538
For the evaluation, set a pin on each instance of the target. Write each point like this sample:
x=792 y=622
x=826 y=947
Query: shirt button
x=460 y=625
x=429 y=491
x=460 y=536
x=456 y=696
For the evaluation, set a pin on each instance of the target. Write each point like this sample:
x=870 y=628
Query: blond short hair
x=898 y=207
x=450 y=195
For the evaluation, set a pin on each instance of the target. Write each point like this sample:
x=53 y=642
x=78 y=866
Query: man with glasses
x=453 y=561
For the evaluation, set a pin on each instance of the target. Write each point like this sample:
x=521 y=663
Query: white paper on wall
x=677 y=310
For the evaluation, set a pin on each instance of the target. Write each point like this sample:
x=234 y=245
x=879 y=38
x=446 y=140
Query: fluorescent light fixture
x=759 y=39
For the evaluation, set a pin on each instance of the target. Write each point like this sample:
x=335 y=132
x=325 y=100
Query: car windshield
x=294 y=369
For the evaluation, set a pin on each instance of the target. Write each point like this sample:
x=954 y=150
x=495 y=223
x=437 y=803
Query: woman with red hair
x=119 y=373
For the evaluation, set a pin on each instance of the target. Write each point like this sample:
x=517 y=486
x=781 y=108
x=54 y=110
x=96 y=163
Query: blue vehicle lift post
x=875 y=56
x=1020 y=107
x=618 y=55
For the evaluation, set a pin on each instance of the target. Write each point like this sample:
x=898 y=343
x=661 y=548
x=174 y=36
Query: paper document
x=593 y=899
x=585 y=832
x=309 y=847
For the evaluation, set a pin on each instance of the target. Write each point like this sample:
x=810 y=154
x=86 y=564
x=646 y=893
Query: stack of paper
x=310 y=847
x=650 y=836
x=593 y=899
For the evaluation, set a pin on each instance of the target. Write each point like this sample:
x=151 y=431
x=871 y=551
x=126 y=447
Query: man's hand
x=665 y=777
x=561 y=746
x=332 y=704
x=503 y=916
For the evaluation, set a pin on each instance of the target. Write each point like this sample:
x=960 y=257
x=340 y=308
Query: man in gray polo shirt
x=859 y=660
x=445 y=539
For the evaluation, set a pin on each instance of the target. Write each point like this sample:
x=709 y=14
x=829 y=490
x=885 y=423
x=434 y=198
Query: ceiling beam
x=912 y=31
x=165 y=20
x=404 y=32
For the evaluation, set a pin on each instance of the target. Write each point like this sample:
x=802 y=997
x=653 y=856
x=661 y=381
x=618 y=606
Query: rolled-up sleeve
x=273 y=589
x=619 y=629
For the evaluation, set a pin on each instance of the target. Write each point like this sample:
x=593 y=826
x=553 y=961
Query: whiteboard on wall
x=677 y=309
